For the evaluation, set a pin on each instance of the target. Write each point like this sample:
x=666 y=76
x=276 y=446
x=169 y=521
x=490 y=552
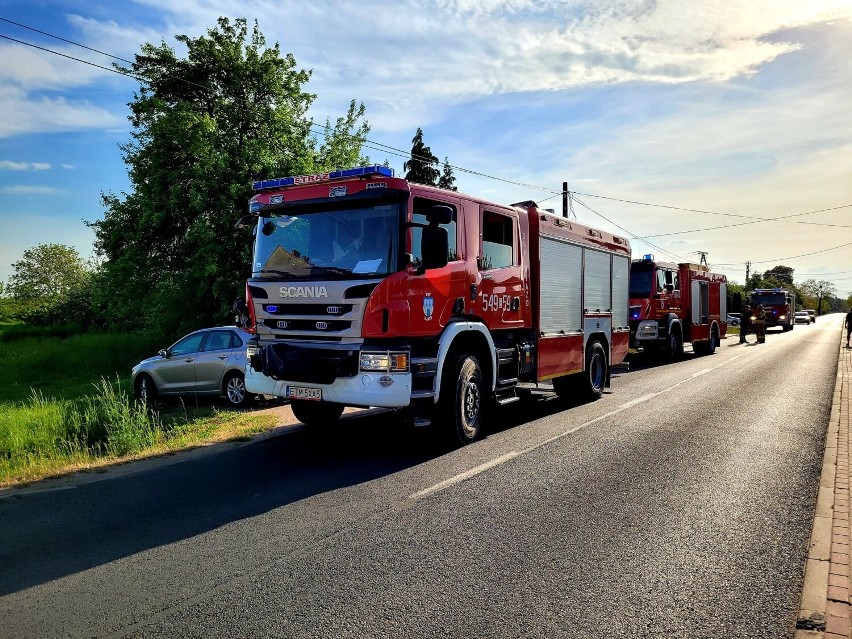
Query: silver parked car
x=207 y=362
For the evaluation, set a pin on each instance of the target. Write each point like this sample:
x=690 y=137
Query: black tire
x=674 y=345
x=145 y=389
x=463 y=399
x=594 y=378
x=714 y=341
x=313 y=413
x=234 y=390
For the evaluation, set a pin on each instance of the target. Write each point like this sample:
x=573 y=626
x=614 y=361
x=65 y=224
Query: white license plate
x=300 y=392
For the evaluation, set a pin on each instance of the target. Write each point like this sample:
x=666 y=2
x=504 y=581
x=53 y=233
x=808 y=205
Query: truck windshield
x=323 y=242
x=773 y=299
x=641 y=283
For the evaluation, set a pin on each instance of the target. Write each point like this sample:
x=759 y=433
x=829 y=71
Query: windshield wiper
x=274 y=271
x=334 y=269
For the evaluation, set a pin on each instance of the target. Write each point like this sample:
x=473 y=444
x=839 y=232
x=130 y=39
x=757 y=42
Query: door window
x=189 y=344
x=421 y=207
x=218 y=341
x=498 y=241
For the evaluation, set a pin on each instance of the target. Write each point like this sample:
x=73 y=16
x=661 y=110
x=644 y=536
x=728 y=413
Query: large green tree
x=46 y=273
x=422 y=168
x=206 y=125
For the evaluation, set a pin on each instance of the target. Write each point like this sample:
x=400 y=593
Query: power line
x=761 y=220
x=377 y=146
x=633 y=235
x=793 y=257
x=76 y=44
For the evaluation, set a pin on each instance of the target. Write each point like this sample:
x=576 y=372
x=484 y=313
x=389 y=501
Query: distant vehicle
x=733 y=319
x=802 y=317
x=207 y=362
x=812 y=313
x=779 y=304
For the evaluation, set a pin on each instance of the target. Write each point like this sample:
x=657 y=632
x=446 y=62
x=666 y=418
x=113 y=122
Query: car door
x=211 y=362
x=176 y=373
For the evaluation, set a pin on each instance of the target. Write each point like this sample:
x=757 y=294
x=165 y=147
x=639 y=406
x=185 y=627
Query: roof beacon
x=361 y=171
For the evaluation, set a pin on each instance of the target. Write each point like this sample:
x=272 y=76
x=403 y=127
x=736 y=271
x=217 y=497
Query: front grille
x=303 y=325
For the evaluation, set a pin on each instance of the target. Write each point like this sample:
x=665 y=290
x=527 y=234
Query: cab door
x=500 y=298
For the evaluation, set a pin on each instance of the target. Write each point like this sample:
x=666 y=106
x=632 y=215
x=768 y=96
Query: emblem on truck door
x=428 y=306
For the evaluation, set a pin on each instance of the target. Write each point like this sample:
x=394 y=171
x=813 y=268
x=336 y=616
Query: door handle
x=223 y=357
x=188 y=360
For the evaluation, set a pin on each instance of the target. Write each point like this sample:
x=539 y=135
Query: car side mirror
x=163 y=353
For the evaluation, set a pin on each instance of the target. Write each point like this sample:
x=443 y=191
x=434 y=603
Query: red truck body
x=368 y=290
x=674 y=304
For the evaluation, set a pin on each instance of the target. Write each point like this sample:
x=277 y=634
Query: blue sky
x=742 y=108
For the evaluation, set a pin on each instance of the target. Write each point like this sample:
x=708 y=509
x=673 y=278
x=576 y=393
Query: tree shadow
x=51 y=534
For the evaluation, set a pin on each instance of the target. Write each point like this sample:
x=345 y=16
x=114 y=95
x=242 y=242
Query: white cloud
x=14 y=166
x=23 y=113
x=24 y=166
x=27 y=190
x=67 y=166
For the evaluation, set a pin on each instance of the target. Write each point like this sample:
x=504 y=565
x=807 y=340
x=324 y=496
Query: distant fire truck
x=675 y=304
x=779 y=305
x=368 y=290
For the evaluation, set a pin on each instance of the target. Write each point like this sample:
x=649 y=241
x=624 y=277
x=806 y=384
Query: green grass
x=67 y=367
x=65 y=404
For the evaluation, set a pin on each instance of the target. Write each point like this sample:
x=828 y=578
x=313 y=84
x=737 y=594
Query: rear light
x=251 y=327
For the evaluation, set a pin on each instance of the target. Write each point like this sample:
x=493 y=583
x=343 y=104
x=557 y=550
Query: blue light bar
x=361 y=171
x=648 y=257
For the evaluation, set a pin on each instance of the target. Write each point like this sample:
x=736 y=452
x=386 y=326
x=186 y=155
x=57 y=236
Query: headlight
x=394 y=362
x=782 y=317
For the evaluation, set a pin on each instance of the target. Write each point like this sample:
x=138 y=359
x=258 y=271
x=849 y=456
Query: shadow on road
x=52 y=534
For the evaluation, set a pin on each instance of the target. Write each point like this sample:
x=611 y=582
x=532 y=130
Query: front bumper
x=332 y=368
x=387 y=390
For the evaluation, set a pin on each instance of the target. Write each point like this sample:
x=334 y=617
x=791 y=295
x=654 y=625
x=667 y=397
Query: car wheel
x=234 y=389
x=145 y=389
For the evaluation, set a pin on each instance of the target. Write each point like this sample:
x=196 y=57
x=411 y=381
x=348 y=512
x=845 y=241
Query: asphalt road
x=679 y=505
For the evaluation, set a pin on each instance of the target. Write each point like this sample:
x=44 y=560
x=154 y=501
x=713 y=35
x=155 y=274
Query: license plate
x=301 y=392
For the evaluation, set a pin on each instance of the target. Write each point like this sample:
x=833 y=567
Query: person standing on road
x=760 y=324
x=745 y=322
x=848 y=326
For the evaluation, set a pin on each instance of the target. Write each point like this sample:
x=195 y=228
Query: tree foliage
x=817 y=294
x=447 y=179
x=204 y=127
x=45 y=273
x=422 y=168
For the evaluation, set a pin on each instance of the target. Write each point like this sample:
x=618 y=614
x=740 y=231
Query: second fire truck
x=368 y=290
x=675 y=304
x=779 y=305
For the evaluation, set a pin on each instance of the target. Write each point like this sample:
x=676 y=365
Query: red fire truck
x=673 y=304
x=368 y=290
x=779 y=305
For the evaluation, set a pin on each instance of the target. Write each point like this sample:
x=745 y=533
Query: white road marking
x=465 y=475
x=499 y=460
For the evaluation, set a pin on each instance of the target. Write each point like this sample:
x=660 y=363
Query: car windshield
x=328 y=243
x=640 y=283
x=775 y=299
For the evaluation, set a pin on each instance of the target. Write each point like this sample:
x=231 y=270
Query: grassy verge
x=65 y=405
x=46 y=437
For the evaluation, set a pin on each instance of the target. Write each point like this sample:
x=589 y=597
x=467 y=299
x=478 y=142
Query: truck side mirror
x=434 y=246
x=240 y=312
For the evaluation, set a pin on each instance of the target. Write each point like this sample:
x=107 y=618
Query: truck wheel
x=674 y=345
x=713 y=343
x=594 y=379
x=316 y=413
x=463 y=399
